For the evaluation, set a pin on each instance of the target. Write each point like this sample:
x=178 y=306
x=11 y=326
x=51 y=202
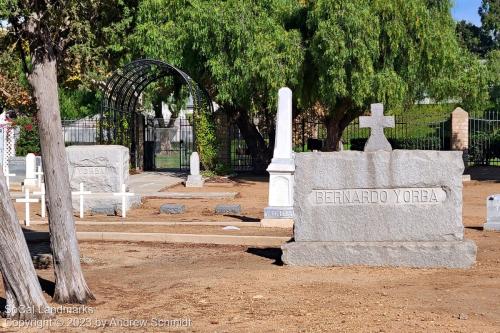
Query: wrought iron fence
x=81 y=132
x=415 y=134
x=172 y=142
x=484 y=138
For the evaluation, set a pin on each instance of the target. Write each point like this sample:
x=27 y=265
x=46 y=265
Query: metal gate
x=484 y=138
x=169 y=144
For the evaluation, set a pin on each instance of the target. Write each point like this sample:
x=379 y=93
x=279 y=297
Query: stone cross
x=81 y=193
x=124 y=194
x=39 y=176
x=41 y=193
x=377 y=122
x=26 y=200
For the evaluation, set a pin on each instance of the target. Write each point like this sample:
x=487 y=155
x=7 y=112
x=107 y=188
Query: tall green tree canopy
x=389 y=51
x=239 y=50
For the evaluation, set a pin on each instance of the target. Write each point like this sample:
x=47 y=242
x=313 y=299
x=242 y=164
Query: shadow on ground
x=48 y=286
x=269 y=253
x=244 y=218
x=491 y=173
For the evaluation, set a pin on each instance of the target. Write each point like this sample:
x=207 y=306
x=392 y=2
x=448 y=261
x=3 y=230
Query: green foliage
x=490 y=19
x=236 y=49
x=28 y=141
x=206 y=140
x=475 y=39
x=77 y=104
x=389 y=51
x=493 y=65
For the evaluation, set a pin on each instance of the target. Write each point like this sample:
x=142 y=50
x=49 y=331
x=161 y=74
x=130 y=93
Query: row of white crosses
x=81 y=193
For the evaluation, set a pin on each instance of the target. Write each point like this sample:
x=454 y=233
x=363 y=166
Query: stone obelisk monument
x=279 y=213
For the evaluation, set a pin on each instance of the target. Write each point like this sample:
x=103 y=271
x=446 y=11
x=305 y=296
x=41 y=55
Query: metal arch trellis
x=119 y=119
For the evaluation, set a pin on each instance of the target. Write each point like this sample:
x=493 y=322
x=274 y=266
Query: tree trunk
x=336 y=123
x=70 y=284
x=24 y=296
x=259 y=150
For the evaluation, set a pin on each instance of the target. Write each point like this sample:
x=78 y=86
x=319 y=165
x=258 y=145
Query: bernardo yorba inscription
x=390 y=196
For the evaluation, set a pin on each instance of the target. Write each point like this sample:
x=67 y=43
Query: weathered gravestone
x=493 y=213
x=102 y=169
x=30 y=180
x=379 y=208
x=194 y=179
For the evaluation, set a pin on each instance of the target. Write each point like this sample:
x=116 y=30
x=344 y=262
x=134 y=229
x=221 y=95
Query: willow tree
x=42 y=29
x=388 y=51
x=240 y=51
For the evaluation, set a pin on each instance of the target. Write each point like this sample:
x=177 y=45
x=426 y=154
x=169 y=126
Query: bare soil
x=178 y=229
x=252 y=196
x=241 y=289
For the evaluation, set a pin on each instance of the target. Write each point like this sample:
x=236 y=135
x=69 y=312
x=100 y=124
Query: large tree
x=336 y=55
x=241 y=51
x=388 y=51
x=42 y=29
x=490 y=19
x=24 y=297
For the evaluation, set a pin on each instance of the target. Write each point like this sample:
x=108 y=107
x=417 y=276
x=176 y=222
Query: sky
x=467 y=10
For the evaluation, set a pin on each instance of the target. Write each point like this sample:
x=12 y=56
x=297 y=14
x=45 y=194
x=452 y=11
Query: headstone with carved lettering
x=380 y=208
x=102 y=168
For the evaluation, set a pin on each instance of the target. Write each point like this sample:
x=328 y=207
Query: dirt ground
x=252 y=196
x=241 y=289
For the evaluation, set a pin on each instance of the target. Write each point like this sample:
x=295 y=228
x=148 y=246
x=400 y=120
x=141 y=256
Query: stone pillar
x=282 y=168
x=459 y=130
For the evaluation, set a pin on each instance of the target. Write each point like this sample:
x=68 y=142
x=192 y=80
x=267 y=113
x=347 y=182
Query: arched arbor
x=121 y=123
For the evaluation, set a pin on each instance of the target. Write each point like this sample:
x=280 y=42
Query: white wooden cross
x=27 y=201
x=7 y=177
x=41 y=193
x=39 y=175
x=81 y=193
x=377 y=122
x=124 y=194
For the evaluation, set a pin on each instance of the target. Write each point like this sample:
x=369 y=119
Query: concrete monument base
x=195 y=181
x=277 y=223
x=492 y=226
x=454 y=254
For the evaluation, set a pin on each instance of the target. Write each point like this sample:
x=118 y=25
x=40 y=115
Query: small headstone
x=227 y=209
x=377 y=122
x=30 y=180
x=172 y=209
x=194 y=179
x=493 y=213
x=105 y=210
